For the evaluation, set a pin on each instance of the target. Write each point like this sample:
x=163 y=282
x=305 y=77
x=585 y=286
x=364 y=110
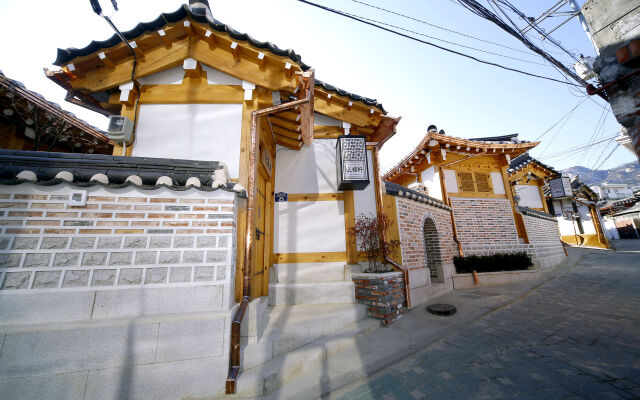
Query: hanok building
x=455 y=197
x=243 y=176
x=575 y=208
x=30 y=122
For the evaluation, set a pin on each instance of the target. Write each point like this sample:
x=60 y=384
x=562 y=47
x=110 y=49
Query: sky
x=420 y=83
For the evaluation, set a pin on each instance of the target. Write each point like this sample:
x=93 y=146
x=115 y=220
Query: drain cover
x=441 y=309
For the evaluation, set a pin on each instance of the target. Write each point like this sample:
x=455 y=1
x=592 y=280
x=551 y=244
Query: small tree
x=368 y=238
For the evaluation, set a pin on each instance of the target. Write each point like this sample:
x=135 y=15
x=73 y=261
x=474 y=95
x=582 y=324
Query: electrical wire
x=557 y=122
x=437 y=26
x=446 y=41
x=359 y=19
x=603 y=161
x=577 y=149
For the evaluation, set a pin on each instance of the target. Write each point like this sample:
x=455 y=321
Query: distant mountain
x=625 y=173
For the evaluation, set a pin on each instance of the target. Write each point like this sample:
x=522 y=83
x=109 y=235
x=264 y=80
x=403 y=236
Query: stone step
x=266 y=378
x=310 y=272
x=291 y=327
x=311 y=293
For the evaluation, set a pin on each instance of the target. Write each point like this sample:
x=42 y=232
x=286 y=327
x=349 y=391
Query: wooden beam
x=307 y=83
x=283 y=139
x=280 y=131
x=349 y=224
x=315 y=196
x=200 y=93
x=289 y=115
x=327 y=132
x=355 y=116
x=104 y=59
x=288 y=146
x=285 y=123
x=285 y=258
x=165 y=39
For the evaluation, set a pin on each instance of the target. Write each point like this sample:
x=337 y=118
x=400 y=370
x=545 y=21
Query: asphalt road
x=577 y=336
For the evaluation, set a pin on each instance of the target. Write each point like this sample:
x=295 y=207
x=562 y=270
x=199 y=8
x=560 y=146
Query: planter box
x=465 y=281
x=382 y=293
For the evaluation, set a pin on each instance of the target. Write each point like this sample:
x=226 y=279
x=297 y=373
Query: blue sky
x=422 y=84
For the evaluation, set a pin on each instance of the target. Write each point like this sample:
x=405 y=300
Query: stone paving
x=575 y=337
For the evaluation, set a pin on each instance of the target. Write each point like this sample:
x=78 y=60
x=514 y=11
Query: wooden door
x=258 y=267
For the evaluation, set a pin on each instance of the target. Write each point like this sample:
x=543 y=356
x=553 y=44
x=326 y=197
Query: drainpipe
x=236 y=323
x=381 y=231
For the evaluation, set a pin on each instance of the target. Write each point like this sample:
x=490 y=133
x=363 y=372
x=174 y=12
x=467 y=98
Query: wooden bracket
x=74 y=72
x=188 y=28
x=128 y=93
x=165 y=40
x=106 y=60
x=262 y=61
x=235 y=50
x=248 y=90
x=192 y=68
x=137 y=50
x=288 y=72
x=329 y=98
x=349 y=105
x=210 y=38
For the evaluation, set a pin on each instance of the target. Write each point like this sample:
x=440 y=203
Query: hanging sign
x=560 y=187
x=281 y=197
x=351 y=162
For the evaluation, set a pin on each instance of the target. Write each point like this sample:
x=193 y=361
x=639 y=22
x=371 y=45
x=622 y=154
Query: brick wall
x=540 y=230
x=438 y=250
x=122 y=238
x=484 y=221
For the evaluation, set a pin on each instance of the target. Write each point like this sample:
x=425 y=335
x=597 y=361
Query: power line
x=437 y=26
x=603 y=161
x=577 y=149
x=341 y=13
x=445 y=41
x=557 y=122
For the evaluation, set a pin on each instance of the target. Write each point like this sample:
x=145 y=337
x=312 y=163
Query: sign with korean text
x=351 y=160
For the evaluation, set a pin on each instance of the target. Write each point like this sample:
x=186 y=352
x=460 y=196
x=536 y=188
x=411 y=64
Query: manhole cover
x=441 y=309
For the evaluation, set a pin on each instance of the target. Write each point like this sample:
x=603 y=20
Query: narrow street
x=574 y=337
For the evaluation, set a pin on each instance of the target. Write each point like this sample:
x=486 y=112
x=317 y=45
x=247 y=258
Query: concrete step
x=291 y=327
x=311 y=293
x=268 y=377
x=310 y=272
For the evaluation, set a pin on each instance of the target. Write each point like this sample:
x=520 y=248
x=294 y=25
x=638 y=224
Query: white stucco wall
x=309 y=226
x=365 y=200
x=312 y=169
x=323 y=120
x=450 y=180
x=171 y=76
x=498 y=183
x=529 y=196
x=208 y=132
x=431 y=179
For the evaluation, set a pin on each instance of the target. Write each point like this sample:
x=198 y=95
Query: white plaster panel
x=312 y=169
x=215 y=77
x=323 y=120
x=431 y=180
x=309 y=227
x=171 y=76
x=529 y=196
x=365 y=200
x=207 y=132
x=498 y=183
x=450 y=180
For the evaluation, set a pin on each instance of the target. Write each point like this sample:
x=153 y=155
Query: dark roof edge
x=394 y=189
x=536 y=214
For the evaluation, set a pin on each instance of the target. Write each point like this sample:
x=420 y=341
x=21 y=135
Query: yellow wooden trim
x=337 y=107
x=478 y=194
x=517 y=217
x=192 y=93
x=349 y=224
x=315 y=196
x=327 y=132
x=154 y=60
x=284 y=258
x=393 y=231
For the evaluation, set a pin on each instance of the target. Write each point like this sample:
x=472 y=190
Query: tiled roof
x=401 y=191
x=113 y=171
x=513 y=138
x=18 y=88
x=64 y=56
x=535 y=213
x=525 y=159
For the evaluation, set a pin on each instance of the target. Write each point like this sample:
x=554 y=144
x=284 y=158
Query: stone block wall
x=383 y=295
x=542 y=230
x=121 y=239
x=485 y=221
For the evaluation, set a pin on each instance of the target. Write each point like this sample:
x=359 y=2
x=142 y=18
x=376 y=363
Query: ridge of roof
x=47 y=168
x=401 y=191
x=66 y=55
x=504 y=138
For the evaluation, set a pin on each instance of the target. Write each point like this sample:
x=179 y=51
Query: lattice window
x=482 y=182
x=466 y=181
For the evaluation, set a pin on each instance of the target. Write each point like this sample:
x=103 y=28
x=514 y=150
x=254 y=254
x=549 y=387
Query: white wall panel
x=215 y=77
x=171 y=76
x=529 y=196
x=207 y=132
x=365 y=200
x=431 y=179
x=450 y=180
x=323 y=120
x=498 y=183
x=309 y=227
x=312 y=169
